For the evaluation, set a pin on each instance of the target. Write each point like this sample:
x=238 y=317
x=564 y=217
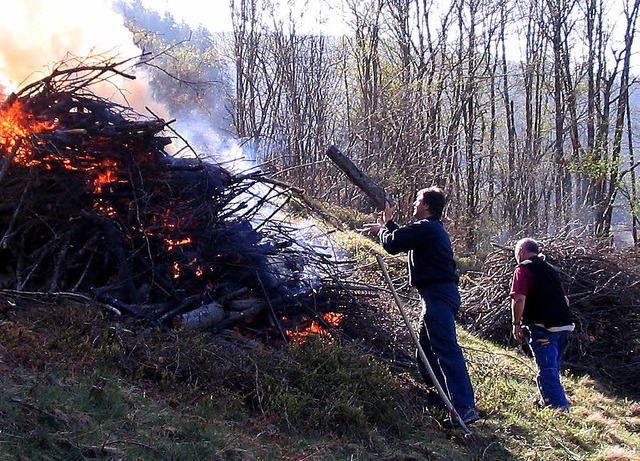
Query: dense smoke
x=39 y=34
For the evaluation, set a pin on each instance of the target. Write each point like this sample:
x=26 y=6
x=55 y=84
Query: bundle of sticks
x=92 y=204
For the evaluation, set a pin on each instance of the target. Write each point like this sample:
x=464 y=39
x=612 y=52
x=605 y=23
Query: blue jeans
x=548 y=348
x=440 y=304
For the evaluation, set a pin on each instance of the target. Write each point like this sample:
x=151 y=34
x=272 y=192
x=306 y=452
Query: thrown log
x=372 y=189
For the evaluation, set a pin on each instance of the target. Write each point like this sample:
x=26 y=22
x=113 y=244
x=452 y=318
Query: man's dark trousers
x=440 y=304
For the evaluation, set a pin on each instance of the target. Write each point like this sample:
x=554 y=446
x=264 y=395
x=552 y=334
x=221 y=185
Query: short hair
x=435 y=198
x=529 y=245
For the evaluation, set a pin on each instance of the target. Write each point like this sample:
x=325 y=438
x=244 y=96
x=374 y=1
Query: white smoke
x=38 y=34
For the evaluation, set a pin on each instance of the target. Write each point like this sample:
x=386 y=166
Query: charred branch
x=372 y=189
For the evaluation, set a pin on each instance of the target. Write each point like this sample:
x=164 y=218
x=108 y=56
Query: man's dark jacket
x=428 y=247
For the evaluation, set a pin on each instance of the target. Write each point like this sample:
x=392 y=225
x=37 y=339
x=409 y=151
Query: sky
x=35 y=34
x=321 y=16
x=213 y=14
x=318 y=15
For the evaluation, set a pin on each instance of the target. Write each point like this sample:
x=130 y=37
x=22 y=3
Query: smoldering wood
x=371 y=188
x=92 y=204
x=9 y=158
x=106 y=298
x=169 y=309
x=240 y=316
x=242 y=304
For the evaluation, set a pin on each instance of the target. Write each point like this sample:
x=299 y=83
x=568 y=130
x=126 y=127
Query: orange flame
x=17 y=125
x=333 y=318
x=171 y=243
x=301 y=335
x=176 y=270
x=105 y=174
x=199 y=271
x=105 y=210
x=20 y=133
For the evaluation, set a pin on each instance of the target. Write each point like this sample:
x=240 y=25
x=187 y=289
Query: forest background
x=525 y=112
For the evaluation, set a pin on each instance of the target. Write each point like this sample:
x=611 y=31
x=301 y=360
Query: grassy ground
x=78 y=384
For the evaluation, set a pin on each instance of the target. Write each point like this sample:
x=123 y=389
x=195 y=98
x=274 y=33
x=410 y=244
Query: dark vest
x=545 y=302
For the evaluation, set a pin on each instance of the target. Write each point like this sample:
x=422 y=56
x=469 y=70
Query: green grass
x=600 y=426
x=103 y=391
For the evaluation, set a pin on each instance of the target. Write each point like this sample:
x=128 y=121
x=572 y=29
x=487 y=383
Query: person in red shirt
x=540 y=313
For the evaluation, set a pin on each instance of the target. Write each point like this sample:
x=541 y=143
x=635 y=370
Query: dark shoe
x=468 y=416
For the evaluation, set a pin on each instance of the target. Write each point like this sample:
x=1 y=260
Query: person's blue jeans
x=440 y=304
x=548 y=348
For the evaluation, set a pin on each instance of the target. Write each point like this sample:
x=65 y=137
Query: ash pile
x=603 y=286
x=92 y=206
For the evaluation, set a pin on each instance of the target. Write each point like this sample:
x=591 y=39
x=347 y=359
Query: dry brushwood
x=603 y=286
x=92 y=204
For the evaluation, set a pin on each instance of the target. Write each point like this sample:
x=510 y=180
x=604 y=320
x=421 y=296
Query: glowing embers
x=307 y=327
x=105 y=173
x=183 y=244
x=192 y=267
x=176 y=270
x=32 y=141
x=173 y=243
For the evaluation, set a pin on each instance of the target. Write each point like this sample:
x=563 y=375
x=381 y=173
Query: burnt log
x=371 y=188
x=200 y=318
x=109 y=300
x=242 y=304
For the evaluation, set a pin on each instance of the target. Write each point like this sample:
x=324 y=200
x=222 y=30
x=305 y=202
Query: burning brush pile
x=603 y=286
x=91 y=205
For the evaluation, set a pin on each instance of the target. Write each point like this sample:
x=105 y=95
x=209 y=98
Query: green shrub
x=324 y=386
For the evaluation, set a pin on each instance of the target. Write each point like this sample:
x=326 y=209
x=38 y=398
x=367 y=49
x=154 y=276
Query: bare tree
x=418 y=95
x=605 y=215
x=245 y=16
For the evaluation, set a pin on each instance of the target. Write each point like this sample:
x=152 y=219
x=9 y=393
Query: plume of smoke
x=37 y=34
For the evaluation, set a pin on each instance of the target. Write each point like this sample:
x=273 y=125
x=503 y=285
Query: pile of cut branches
x=92 y=205
x=603 y=286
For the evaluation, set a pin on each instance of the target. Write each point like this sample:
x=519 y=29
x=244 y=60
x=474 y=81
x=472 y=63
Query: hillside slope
x=78 y=383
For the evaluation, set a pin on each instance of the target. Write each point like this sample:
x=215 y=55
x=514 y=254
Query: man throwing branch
x=540 y=308
x=432 y=272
